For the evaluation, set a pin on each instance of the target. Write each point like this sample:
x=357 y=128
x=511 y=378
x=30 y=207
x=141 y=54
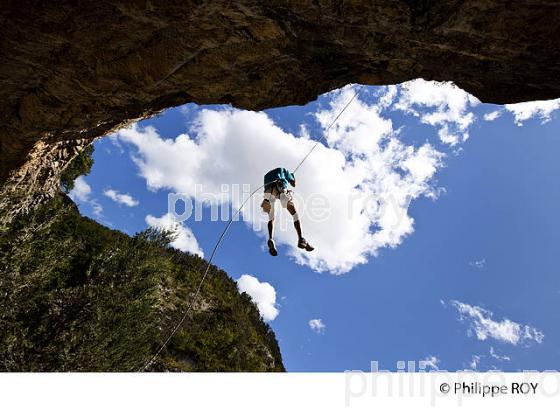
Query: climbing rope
x=184 y=317
x=223 y=234
x=326 y=133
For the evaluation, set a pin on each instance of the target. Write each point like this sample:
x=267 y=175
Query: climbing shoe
x=303 y=244
x=272 y=248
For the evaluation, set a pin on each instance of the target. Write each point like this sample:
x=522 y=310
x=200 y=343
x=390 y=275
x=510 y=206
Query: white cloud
x=497 y=356
x=81 y=193
x=317 y=326
x=540 y=109
x=483 y=325
x=479 y=264
x=430 y=362
x=475 y=362
x=119 y=198
x=369 y=182
x=491 y=116
x=262 y=293
x=387 y=96
x=183 y=240
x=443 y=104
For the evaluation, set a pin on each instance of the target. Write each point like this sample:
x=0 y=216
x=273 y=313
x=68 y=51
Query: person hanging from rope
x=276 y=187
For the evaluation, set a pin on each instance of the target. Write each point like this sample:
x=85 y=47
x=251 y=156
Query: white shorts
x=274 y=193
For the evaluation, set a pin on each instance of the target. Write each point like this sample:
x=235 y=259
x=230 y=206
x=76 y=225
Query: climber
x=276 y=187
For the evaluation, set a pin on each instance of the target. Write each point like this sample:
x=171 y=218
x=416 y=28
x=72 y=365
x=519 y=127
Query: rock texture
x=77 y=69
x=38 y=179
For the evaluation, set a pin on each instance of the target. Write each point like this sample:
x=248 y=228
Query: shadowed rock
x=75 y=70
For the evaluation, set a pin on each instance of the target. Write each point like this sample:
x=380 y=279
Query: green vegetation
x=81 y=165
x=76 y=296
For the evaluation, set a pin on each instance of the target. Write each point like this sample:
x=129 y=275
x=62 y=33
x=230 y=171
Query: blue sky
x=463 y=273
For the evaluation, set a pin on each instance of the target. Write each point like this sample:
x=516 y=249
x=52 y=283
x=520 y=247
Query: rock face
x=75 y=70
x=38 y=179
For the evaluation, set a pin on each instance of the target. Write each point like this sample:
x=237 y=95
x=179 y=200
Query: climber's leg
x=302 y=243
x=292 y=210
x=268 y=207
